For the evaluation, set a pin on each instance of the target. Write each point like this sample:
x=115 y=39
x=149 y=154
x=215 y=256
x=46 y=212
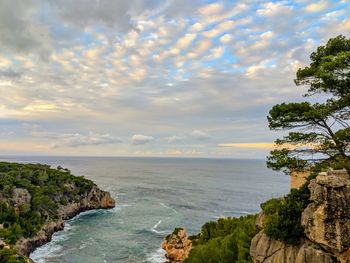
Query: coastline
x=95 y=199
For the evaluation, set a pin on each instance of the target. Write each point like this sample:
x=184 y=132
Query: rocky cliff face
x=94 y=199
x=326 y=221
x=268 y=250
x=177 y=246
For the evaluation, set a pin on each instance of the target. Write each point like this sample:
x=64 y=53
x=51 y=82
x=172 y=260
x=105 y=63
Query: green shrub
x=225 y=241
x=11 y=256
x=283 y=216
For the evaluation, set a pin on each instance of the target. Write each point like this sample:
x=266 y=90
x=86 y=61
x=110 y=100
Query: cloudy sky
x=153 y=77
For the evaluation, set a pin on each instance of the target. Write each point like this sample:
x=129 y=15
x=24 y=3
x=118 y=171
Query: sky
x=153 y=77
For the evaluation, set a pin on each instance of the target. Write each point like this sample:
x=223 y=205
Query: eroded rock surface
x=327 y=219
x=177 y=246
x=268 y=250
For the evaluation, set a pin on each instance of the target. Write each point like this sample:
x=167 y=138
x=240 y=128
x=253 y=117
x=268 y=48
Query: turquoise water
x=154 y=195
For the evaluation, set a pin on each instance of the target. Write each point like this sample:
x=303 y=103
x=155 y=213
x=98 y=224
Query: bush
x=225 y=241
x=283 y=216
x=11 y=256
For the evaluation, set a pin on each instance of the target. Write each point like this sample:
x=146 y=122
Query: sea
x=154 y=195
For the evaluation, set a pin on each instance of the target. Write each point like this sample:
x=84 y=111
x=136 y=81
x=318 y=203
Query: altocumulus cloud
x=139 y=139
x=160 y=67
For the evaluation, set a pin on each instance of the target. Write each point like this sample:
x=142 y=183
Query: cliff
x=326 y=224
x=35 y=200
x=95 y=199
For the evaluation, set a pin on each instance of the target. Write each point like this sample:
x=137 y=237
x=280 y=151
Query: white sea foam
x=156 y=225
x=157 y=257
x=42 y=253
x=90 y=241
x=163 y=205
x=154 y=229
x=237 y=212
x=53 y=247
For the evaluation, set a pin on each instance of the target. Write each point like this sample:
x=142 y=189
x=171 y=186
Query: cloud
x=211 y=9
x=18 y=30
x=256 y=145
x=169 y=66
x=225 y=38
x=139 y=139
x=77 y=139
x=84 y=13
x=216 y=53
x=316 y=7
x=200 y=135
x=185 y=41
x=175 y=139
x=271 y=9
x=9 y=73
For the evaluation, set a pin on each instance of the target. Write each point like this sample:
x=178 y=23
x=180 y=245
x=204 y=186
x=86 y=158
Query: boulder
x=177 y=246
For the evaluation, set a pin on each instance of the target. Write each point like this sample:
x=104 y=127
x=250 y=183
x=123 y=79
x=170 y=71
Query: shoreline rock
x=95 y=199
x=177 y=246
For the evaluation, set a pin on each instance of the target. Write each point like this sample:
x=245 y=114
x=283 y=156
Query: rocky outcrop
x=94 y=199
x=25 y=246
x=326 y=221
x=268 y=250
x=177 y=246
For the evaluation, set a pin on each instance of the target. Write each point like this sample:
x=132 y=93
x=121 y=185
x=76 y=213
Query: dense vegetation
x=319 y=131
x=225 y=241
x=11 y=256
x=283 y=215
x=47 y=188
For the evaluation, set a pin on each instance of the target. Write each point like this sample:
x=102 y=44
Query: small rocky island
x=35 y=200
x=177 y=245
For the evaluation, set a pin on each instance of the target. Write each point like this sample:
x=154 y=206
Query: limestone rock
x=327 y=219
x=326 y=222
x=95 y=199
x=267 y=250
x=259 y=223
x=177 y=246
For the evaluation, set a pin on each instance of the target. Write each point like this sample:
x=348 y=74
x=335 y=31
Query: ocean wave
x=42 y=253
x=90 y=241
x=157 y=256
x=168 y=207
x=237 y=212
x=156 y=225
x=53 y=247
x=154 y=229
